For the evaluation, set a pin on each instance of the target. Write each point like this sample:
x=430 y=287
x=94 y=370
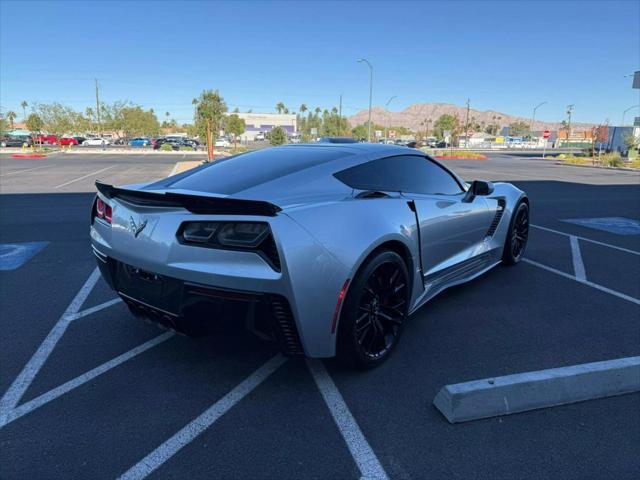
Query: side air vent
x=497 y=217
x=285 y=326
x=372 y=194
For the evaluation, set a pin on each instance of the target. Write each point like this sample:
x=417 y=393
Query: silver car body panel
x=323 y=234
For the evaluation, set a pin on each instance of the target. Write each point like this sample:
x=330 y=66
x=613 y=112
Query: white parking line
x=576 y=256
x=80 y=380
x=194 y=428
x=363 y=455
x=584 y=282
x=13 y=395
x=95 y=309
x=84 y=176
x=26 y=170
x=586 y=239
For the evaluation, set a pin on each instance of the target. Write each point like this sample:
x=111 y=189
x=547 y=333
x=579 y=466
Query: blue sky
x=503 y=55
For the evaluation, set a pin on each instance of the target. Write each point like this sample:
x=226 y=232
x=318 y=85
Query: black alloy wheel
x=518 y=235
x=375 y=311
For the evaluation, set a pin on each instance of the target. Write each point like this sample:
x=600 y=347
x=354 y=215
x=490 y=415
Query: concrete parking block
x=520 y=392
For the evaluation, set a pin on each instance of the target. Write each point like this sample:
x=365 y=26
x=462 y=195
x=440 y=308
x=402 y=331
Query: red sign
x=546 y=134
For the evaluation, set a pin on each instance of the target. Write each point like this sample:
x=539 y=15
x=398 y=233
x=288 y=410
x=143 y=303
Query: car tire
x=374 y=312
x=517 y=236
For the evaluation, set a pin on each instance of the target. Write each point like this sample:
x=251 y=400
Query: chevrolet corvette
x=326 y=249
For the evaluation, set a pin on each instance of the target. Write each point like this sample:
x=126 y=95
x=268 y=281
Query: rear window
x=239 y=173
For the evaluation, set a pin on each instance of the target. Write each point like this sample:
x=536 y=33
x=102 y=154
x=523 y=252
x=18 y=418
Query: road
x=94 y=398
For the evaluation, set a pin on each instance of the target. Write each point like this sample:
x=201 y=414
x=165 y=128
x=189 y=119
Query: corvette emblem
x=136 y=229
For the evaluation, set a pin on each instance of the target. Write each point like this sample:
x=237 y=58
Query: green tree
x=4 y=125
x=34 y=124
x=58 y=119
x=519 y=128
x=280 y=107
x=444 y=123
x=138 y=122
x=235 y=126
x=361 y=131
x=303 y=108
x=11 y=116
x=210 y=109
x=278 y=136
x=24 y=106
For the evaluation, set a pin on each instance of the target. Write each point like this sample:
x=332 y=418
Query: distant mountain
x=413 y=116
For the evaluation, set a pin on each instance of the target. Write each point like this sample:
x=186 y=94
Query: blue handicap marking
x=617 y=225
x=14 y=255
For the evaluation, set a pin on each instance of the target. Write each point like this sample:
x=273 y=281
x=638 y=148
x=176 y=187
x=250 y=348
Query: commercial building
x=265 y=122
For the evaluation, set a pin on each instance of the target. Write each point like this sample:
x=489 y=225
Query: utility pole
x=569 y=110
x=98 y=108
x=466 y=128
x=340 y=117
x=386 y=126
x=370 y=91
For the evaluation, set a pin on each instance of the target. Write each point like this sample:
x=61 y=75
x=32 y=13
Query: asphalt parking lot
x=90 y=392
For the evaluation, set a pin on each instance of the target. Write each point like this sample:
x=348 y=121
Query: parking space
x=90 y=392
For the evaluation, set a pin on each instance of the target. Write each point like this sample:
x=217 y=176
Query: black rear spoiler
x=194 y=203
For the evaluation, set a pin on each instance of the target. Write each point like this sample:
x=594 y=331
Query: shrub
x=278 y=136
x=185 y=148
x=166 y=147
x=611 y=160
x=573 y=160
x=634 y=163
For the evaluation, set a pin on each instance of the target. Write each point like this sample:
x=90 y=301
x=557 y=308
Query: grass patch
x=605 y=160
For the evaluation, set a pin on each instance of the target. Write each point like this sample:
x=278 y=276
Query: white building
x=265 y=122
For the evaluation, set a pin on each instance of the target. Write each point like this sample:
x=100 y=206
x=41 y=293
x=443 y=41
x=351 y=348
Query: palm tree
x=317 y=110
x=11 y=116
x=303 y=108
x=334 y=110
x=24 y=106
x=280 y=107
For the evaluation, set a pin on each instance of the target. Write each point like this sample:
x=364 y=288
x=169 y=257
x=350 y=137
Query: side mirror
x=478 y=188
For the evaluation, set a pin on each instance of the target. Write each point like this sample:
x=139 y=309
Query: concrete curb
x=509 y=394
x=622 y=169
x=130 y=152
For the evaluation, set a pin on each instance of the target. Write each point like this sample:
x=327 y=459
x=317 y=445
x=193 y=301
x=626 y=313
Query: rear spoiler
x=194 y=203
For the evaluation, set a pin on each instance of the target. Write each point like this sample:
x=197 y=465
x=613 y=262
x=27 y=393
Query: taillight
x=103 y=210
x=247 y=236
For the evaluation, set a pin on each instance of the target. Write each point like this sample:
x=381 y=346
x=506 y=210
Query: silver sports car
x=324 y=248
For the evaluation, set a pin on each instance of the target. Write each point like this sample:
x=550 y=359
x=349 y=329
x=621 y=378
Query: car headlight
x=244 y=236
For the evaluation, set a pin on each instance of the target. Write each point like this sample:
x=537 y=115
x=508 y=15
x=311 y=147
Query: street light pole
x=533 y=118
x=624 y=114
x=370 y=92
x=569 y=111
x=385 y=127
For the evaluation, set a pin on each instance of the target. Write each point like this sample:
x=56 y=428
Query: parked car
x=215 y=233
x=96 y=141
x=139 y=142
x=161 y=141
x=16 y=141
x=80 y=140
x=442 y=144
x=68 y=141
x=222 y=142
x=46 y=139
x=259 y=137
x=337 y=140
x=188 y=142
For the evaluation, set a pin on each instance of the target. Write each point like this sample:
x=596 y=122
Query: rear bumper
x=197 y=309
